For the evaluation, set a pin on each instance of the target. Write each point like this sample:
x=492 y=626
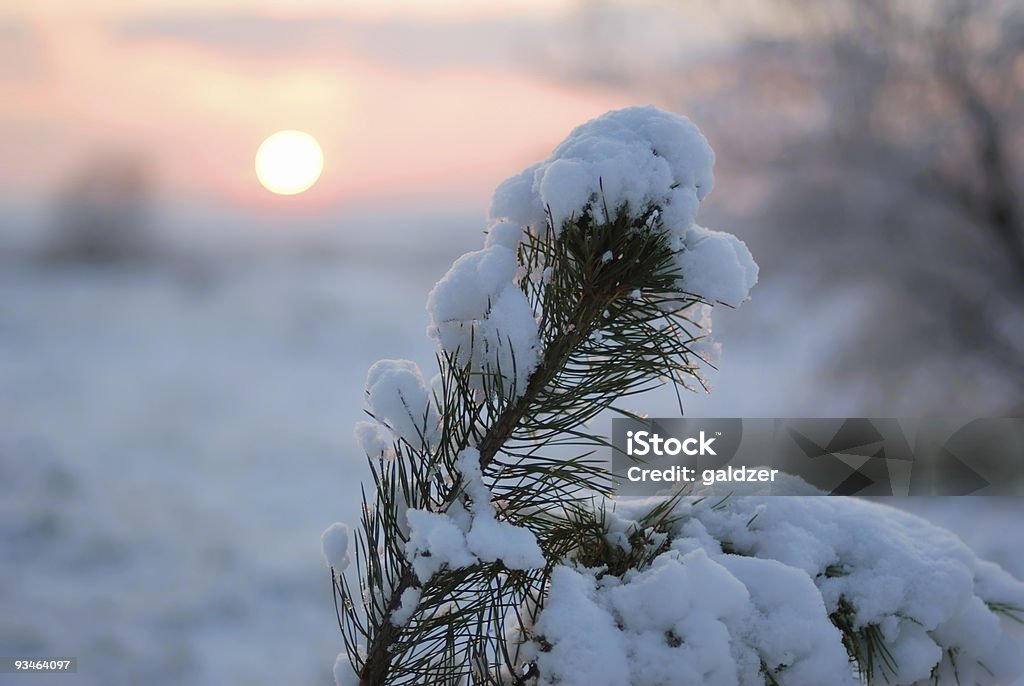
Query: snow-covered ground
x=174 y=439
x=171 y=445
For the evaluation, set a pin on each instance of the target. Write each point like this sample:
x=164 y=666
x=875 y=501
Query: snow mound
x=915 y=584
x=754 y=586
x=461 y=538
x=373 y=439
x=479 y=314
x=334 y=545
x=689 y=619
x=397 y=397
x=639 y=159
x=344 y=675
x=716 y=266
x=636 y=157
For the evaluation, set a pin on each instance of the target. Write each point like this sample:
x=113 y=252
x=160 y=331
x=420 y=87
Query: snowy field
x=174 y=439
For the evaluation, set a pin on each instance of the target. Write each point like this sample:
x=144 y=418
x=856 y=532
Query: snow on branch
x=637 y=158
x=490 y=550
x=796 y=590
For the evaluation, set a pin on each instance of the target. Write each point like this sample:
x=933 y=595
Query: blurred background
x=182 y=352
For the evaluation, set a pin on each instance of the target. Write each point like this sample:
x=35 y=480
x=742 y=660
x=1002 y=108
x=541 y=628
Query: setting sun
x=289 y=162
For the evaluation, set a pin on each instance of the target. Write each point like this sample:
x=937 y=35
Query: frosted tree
x=490 y=550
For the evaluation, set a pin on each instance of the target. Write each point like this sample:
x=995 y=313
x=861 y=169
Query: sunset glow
x=398 y=119
x=289 y=162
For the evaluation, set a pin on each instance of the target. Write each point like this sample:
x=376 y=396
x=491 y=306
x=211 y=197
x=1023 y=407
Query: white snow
x=585 y=642
x=472 y=283
x=409 y=601
x=435 y=542
x=334 y=544
x=460 y=538
x=492 y=540
x=749 y=582
x=655 y=611
x=397 y=397
x=489 y=539
x=373 y=439
x=344 y=675
x=716 y=266
x=504 y=233
x=166 y=386
x=478 y=314
x=638 y=156
x=785 y=625
x=689 y=619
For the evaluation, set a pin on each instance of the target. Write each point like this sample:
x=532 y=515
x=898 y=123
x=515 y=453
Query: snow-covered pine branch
x=789 y=590
x=583 y=294
x=488 y=552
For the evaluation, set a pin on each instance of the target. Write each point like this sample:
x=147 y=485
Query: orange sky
x=198 y=104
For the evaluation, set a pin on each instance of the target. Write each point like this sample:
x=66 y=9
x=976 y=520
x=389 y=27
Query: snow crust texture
x=746 y=589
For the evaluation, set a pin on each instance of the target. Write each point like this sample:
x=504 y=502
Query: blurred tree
x=882 y=145
x=917 y=180
x=102 y=214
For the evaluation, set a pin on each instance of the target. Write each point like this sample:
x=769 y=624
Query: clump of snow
x=641 y=159
x=479 y=314
x=919 y=584
x=461 y=538
x=492 y=540
x=504 y=233
x=748 y=585
x=468 y=464
x=586 y=646
x=716 y=266
x=688 y=619
x=489 y=539
x=334 y=545
x=785 y=627
x=409 y=601
x=344 y=675
x=475 y=280
x=373 y=439
x=637 y=157
x=397 y=397
x=652 y=603
x=436 y=541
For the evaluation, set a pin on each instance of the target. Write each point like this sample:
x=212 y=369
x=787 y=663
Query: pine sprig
x=611 y=324
x=1008 y=610
x=865 y=645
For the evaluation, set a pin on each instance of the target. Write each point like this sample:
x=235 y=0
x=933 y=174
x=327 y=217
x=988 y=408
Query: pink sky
x=196 y=91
